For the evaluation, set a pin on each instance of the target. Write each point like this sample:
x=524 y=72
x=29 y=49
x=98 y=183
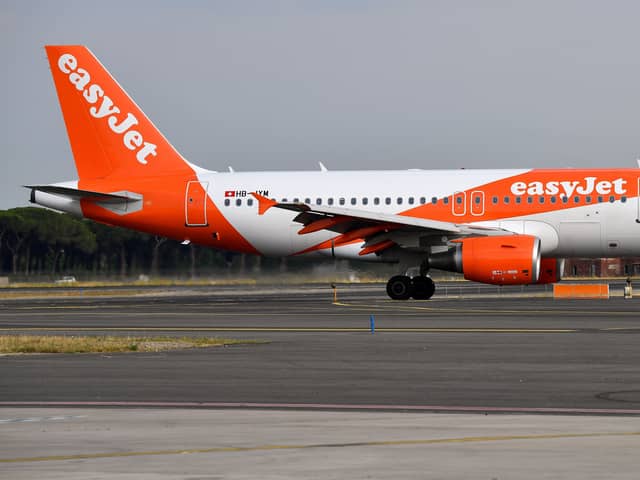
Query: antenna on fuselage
x=324 y=169
x=231 y=170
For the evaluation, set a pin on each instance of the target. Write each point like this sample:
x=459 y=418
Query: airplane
x=502 y=227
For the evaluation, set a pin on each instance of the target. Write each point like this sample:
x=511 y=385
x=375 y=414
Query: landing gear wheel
x=400 y=287
x=423 y=287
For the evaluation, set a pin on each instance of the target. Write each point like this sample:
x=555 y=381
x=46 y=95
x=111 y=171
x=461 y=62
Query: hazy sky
x=355 y=84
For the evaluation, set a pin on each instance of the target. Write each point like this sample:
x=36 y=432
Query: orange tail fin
x=110 y=135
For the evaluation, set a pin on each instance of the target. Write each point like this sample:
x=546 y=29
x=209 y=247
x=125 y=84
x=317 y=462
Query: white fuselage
x=592 y=226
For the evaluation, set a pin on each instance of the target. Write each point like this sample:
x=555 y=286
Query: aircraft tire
x=400 y=287
x=423 y=287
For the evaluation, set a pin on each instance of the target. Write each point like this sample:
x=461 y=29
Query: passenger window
x=376 y=201
x=238 y=202
x=600 y=199
x=423 y=200
x=410 y=200
x=477 y=200
x=576 y=199
x=250 y=202
x=307 y=200
x=518 y=200
x=284 y=200
x=318 y=201
x=554 y=199
x=434 y=200
x=623 y=199
x=587 y=199
x=565 y=199
x=541 y=200
x=612 y=199
x=399 y=200
x=227 y=202
x=529 y=199
x=353 y=200
x=494 y=200
x=445 y=200
x=330 y=201
x=341 y=201
x=296 y=200
x=506 y=200
x=365 y=200
x=387 y=200
x=459 y=200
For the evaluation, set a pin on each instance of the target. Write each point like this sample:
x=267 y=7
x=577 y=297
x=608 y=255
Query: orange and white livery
x=494 y=226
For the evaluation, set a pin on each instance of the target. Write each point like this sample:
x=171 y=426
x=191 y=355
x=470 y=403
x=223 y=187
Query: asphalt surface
x=484 y=350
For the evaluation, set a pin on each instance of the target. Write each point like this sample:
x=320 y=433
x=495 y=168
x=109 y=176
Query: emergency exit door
x=459 y=204
x=195 y=202
x=477 y=203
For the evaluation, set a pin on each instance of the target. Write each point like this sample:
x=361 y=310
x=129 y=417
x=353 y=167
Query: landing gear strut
x=402 y=287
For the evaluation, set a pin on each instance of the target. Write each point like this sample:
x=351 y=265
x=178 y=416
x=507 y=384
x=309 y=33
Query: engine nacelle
x=551 y=270
x=499 y=260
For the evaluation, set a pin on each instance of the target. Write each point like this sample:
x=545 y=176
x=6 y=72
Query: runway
x=480 y=352
x=547 y=388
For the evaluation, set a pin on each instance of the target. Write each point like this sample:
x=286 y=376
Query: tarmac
x=123 y=444
x=524 y=386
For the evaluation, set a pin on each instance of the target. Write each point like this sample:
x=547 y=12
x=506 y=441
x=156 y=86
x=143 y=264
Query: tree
x=158 y=241
x=61 y=233
x=4 y=226
x=18 y=230
x=113 y=245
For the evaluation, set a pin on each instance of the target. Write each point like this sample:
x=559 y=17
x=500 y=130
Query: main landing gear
x=402 y=287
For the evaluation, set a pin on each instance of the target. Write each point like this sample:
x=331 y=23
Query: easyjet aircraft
x=504 y=227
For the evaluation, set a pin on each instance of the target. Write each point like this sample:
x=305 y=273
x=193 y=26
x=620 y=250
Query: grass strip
x=109 y=344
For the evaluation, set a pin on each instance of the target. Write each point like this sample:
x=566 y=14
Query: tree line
x=36 y=242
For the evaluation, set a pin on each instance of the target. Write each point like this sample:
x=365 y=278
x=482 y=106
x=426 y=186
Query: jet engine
x=499 y=260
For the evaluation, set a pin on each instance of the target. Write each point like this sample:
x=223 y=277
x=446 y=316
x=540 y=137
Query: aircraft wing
x=379 y=230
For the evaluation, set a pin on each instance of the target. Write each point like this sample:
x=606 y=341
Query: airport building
x=602 y=267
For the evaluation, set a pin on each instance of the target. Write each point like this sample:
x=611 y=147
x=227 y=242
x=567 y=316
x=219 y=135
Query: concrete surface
x=240 y=444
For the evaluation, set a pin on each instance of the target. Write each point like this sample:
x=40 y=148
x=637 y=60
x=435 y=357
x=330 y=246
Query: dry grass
x=107 y=344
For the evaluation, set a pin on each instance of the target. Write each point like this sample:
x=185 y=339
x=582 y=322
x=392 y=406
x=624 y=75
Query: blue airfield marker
x=372 y=324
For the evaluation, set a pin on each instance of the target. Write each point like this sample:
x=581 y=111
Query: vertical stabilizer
x=110 y=135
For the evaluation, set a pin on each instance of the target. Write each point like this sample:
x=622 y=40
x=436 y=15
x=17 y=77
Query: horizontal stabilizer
x=68 y=199
x=80 y=194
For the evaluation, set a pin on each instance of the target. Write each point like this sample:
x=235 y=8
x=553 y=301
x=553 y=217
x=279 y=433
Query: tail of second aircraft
x=110 y=136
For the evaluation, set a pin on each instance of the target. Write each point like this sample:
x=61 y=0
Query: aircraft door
x=477 y=203
x=459 y=204
x=638 y=201
x=195 y=204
